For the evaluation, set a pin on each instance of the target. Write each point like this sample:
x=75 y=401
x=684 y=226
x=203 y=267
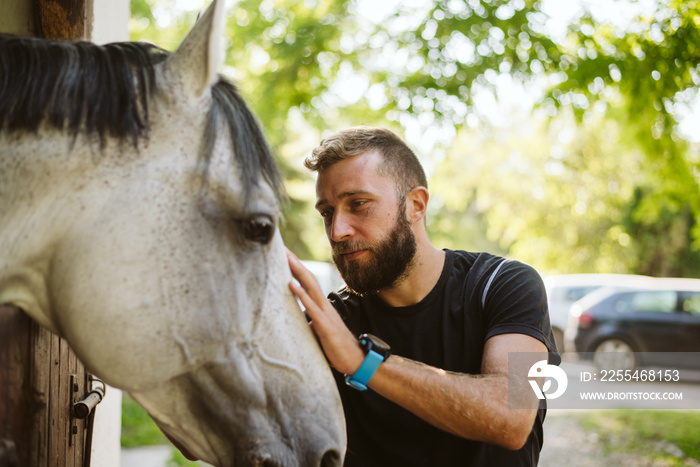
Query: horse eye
x=259 y=229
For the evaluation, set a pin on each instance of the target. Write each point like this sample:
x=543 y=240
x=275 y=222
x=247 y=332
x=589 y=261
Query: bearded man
x=435 y=326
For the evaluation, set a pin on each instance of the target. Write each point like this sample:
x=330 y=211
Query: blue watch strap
x=367 y=369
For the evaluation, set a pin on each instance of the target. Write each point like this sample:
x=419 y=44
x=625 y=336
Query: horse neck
x=43 y=179
x=38 y=171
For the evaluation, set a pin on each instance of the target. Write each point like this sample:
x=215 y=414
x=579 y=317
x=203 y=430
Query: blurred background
x=563 y=134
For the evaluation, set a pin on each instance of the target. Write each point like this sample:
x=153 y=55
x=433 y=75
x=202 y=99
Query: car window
x=659 y=301
x=691 y=303
x=576 y=293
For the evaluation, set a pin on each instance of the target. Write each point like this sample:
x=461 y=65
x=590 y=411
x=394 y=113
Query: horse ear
x=197 y=60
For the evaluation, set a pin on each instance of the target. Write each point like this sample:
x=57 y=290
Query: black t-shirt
x=447 y=329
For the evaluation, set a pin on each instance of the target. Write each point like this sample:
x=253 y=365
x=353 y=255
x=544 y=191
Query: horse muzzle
x=210 y=416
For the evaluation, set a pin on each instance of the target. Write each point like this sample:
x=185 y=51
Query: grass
x=668 y=437
x=179 y=460
x=138 y=430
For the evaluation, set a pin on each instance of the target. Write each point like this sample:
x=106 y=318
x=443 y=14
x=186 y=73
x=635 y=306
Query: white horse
x=138 y=220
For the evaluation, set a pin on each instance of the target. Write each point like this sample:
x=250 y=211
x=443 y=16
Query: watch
x=376 y=351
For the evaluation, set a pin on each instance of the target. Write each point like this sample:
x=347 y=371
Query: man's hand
x=341 y=348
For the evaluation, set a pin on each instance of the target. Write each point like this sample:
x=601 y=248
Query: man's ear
x=417 y=204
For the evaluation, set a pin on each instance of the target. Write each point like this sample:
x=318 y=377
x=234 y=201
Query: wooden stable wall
x=37 y=395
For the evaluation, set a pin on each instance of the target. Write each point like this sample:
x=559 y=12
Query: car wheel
x=614 y=354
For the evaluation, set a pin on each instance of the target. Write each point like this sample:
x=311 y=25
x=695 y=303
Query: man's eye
x=326 y=213
x=358 y=204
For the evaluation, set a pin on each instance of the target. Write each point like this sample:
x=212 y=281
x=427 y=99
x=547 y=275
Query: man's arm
x=470 y=406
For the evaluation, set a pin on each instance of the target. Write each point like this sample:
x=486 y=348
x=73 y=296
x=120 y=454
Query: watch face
x=378 y=341
x=370 y=342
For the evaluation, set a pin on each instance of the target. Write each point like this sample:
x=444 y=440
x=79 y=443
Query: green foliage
x=551 y=201
x=160 y=22
x=641 y=76
x=653 y=215
x=648 y=432
x=138 y=428
x=285 y=54
x=455 y=47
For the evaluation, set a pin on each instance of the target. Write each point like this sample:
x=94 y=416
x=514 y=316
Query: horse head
x=139 y=206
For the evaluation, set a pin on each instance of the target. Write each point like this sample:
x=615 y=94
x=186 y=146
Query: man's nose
x=340 y=228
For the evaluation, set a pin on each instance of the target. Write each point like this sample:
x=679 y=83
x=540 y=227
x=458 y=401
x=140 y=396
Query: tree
x=623 y=82
x=550 y=196
x=641 y=76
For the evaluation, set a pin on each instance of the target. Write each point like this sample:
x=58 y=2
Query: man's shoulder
x=472 y=257
x=474 y=263
x=481 y=271
x=485 y=263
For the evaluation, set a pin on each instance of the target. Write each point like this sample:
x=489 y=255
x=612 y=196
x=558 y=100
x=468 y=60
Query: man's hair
x=398 y=160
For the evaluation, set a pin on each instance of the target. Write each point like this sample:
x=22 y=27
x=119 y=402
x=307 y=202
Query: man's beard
x=389 y=261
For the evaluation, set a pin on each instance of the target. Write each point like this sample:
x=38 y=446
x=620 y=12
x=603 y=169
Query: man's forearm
x=471 y=406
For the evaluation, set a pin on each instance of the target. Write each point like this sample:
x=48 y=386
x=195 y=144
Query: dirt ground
x=566 y=443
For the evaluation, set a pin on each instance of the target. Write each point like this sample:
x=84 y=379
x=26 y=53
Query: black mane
x=76 y=85
x=105 y=90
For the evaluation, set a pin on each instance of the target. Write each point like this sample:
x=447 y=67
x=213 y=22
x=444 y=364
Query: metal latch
x=82 y=409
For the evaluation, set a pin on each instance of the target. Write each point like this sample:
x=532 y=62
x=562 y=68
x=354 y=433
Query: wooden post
x=64 y=19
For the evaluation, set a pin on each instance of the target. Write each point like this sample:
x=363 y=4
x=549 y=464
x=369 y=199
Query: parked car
x=657 y=315
x=565 y=289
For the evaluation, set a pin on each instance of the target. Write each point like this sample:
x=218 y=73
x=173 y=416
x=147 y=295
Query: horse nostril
x=331 y=458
